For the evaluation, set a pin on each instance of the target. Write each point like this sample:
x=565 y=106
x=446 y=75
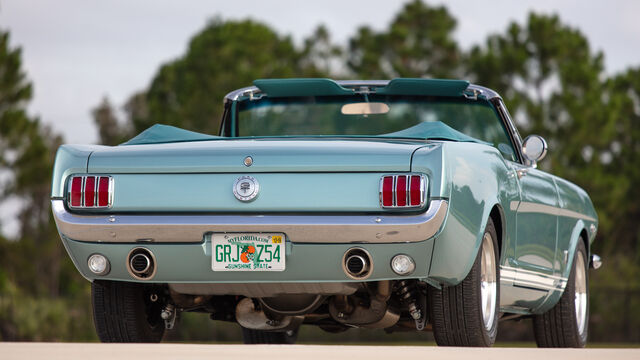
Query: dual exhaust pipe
x=141 y=263
x=357 y=263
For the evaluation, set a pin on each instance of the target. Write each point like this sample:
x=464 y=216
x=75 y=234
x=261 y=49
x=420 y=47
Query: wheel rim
x=581 y=293
x=488 y=281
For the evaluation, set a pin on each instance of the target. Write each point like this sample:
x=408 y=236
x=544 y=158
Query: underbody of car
x=404 y=205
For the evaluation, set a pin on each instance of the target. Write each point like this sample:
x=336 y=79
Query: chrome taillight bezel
x=423 y=191
x=96 y=206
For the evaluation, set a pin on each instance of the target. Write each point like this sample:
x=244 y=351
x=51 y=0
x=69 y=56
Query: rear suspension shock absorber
x=407 y=294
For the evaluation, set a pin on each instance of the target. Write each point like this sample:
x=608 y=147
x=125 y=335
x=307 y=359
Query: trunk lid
x=270 y=155
x=293 y=175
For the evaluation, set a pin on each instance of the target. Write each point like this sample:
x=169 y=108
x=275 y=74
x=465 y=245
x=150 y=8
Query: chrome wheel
x=580 y=293
x=488 y=281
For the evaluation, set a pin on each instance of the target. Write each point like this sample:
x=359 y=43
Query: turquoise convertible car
x=404 y=205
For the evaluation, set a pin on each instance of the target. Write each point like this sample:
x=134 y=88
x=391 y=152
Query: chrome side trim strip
x=531 y=279
x=390 y=228
x=529 y=207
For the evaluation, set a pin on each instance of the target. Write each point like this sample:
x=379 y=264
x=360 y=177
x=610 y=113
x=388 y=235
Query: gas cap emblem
x=246 y=188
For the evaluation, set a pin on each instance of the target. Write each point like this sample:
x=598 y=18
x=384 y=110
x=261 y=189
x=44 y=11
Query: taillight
x=75 y=192
x=387 y=191
x=402 y=191
x=90 y=192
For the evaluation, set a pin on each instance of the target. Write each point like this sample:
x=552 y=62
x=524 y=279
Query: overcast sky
x=78 y=51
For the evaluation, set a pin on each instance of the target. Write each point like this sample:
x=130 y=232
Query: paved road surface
x=63 y=351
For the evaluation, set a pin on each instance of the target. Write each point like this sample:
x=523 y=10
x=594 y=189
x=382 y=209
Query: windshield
x=415 y=117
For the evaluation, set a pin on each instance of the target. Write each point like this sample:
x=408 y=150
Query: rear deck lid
x=268 y=155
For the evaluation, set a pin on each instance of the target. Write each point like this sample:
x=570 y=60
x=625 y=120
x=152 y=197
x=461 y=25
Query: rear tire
x=567 y=323
x=123 y=312
x=467 y=314
x=269 y=337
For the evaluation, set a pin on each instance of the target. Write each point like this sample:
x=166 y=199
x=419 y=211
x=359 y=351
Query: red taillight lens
x=415 y=189
x=402 y=191
x=75 y=196
x=387 y=191
x=103 y=191
x=90 y=192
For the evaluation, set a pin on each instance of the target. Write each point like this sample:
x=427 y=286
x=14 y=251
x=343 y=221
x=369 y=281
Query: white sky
x=77 y=51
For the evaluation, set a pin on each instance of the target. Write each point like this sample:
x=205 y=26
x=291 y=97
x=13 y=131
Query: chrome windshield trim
x=390 y=228
x=234 y=95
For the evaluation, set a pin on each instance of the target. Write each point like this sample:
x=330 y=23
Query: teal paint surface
x=158 y=134
x=537 y=230
x=300 y=87
x=70 y=159
x=425 y=87
x=279 y=192
x=328 y=87
x=475 y=179
x=191 y=263
x=273 y=155
x=432 y=130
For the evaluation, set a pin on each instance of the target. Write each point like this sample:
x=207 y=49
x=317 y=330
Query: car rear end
x=177 y=207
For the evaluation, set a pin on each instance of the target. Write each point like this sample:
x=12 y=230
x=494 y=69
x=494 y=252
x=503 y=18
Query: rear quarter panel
x=475 y=179
x=70 y=159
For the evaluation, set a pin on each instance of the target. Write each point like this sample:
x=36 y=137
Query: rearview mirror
x=365 y=108
x=534 y=148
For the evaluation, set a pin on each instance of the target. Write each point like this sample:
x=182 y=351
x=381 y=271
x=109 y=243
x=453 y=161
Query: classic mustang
x=404 y=205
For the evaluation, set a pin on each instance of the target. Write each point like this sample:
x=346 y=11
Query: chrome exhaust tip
x=357 y=263
x=141 y=263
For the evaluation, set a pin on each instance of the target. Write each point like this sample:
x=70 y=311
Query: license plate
x=248 y=252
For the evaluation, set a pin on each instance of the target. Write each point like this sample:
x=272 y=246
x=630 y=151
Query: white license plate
x=248 y=252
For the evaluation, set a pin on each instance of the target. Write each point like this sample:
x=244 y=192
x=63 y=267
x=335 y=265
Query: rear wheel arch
x=497 y=215
x=585 y=239
x=578 y=236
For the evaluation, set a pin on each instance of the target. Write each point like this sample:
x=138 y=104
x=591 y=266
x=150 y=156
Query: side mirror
x=534 y=148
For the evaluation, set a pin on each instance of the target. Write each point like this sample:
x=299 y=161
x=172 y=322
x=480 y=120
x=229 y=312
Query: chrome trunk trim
x=115 y=228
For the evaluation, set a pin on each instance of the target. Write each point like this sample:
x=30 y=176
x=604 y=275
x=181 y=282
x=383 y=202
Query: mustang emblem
x=246 y=188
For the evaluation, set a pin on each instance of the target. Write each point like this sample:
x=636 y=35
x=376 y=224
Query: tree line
x=552 y=81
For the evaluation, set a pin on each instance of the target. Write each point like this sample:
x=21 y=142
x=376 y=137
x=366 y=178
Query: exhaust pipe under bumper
x=249 y=317
x=377 y=315
x=141 y=263
x=357 y=263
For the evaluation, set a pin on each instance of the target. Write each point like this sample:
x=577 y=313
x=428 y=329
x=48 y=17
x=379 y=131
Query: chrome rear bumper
x=298 y=228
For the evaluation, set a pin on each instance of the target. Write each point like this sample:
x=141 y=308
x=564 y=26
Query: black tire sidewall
x=491 y=334
x=581 y=337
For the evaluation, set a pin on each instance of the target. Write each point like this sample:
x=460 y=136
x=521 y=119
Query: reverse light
x=402 y=264
x=402 y=191
x=98 y=264
x=90 y=192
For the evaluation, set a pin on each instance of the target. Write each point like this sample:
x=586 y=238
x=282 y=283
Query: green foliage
x=553 y=84
x=615 y=300
x=224 y=56
x=418 y=43
x=46 y=299
x=27 y=317
x=110 y=131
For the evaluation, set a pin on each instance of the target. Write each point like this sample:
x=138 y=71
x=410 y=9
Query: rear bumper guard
x=115 y=228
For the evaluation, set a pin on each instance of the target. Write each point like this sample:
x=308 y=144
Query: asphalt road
x=65 y=351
